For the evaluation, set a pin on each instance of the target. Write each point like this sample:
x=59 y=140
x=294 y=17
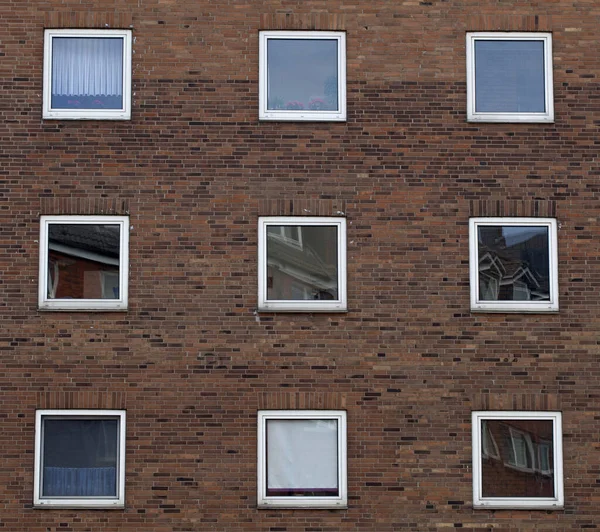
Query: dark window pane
x=509 y=76
x=302 y=262
x=83 y=261
x=514 y=263
x=87 y=73
x=80 y=457
x=302 y=74
x=517 y=458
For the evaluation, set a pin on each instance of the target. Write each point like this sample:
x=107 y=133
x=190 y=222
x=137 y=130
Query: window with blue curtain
x=80 y=457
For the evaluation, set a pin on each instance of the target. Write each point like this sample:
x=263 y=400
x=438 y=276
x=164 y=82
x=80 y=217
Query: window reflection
x=513 y=263
x=517 y=458
x=302 y=74
x=302 y=262
x=83 y=261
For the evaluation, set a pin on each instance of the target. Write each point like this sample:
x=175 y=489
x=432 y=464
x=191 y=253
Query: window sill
x=510 y=119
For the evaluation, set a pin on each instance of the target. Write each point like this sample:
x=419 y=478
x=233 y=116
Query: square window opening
x=522 y=468
x=302 y=459
x=302 y=264
x=87 y=74
x=83 y=262
x=79 y=458
x=509 y=77
x=302 y=75
x=513 y=264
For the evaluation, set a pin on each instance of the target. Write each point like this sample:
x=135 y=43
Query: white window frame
x=489 y=447
x=265 y=501
x=473 y=115
x=516 y=434
x=87 y=114
x=524 y=503
x=478 y=305
x=45 y=303
x=270 y=305
x=78 y=502
x=338 y=115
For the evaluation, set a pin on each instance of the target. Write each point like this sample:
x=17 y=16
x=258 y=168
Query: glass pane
x=302 y=457
x=87 y=73
x=521 y=467
x=509 y=77
x=514 y=263
x=302 y=262
x=302 y=74
x=79 y=457
x=83 y=261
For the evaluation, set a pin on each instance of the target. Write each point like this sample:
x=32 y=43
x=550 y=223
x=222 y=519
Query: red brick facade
x=192 y=361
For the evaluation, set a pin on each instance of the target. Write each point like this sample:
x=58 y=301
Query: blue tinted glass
x=509 y=76
x=302 y=74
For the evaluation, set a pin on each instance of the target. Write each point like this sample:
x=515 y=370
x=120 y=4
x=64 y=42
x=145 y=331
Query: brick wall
x=192 y=361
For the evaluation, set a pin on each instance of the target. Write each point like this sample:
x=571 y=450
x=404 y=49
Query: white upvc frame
x=332 y=502
x=338 y=115
x=518 y=503
x=513 y=306
x=270 y=305
x=87 y=114
x=78 y=502
x=46 y=303
x=473 y=115
x=516 y=434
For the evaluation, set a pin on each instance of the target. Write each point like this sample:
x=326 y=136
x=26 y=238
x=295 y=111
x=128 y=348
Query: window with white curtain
x=302 y=458
x=87 y=74
x=509 y=77
x=79 y=458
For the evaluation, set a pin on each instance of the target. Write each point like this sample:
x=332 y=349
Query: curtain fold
x=80 y=481
x=87 y=66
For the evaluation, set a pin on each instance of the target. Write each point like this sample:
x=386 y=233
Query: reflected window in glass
x=513 y=264
x=302 y=264
x=525 y=469
x=83 y=262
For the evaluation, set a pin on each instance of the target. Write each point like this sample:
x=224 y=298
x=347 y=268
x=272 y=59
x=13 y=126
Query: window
x=87 y=74
x=79 y=458
x=302 y=75
x=525 y=469
x=509 y=77
x=302 y=458
x=302 y=264
x=513 y=264
x=83 y=262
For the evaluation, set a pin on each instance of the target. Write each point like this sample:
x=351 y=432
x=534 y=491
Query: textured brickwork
x=192 y=361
